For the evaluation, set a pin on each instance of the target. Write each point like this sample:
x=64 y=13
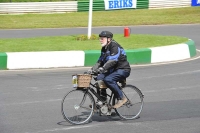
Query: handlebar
x=94 y=73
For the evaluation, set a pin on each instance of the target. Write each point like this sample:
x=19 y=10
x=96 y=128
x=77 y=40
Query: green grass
x=66 y=43
x=188 y=15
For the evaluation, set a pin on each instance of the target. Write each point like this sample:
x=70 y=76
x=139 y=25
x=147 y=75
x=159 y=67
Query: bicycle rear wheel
x=133 y=107
x=76 y=107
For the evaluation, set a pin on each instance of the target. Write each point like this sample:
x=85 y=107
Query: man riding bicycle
x=112 y=66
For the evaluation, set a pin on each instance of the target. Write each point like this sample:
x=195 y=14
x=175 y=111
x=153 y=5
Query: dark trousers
x=111 y=79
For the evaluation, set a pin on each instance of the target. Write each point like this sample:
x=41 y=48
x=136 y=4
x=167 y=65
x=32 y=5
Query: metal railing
x=81 y=5
x=38 y=7
x=160 y=4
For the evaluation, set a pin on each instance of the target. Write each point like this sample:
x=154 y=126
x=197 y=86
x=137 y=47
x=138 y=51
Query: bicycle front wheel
x=133 y=107
x=76 y=106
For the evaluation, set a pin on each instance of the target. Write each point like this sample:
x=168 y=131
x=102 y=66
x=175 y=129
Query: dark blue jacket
x=113 y=57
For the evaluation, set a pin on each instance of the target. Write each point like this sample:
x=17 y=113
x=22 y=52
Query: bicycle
x=79 y=104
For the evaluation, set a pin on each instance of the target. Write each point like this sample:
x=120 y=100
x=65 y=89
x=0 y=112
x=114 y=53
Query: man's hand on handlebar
x=90 y=71
x=95 y=72
x=100 y=70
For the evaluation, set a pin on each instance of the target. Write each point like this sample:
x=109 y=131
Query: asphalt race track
x=30 y=100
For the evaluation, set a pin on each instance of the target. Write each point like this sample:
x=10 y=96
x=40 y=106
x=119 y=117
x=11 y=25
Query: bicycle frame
x=83 y=109
x=105 y=103
x=98 y=96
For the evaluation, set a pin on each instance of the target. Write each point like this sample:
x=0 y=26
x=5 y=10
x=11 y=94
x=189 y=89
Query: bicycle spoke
x=87 y=108
x=133 y=107
x=77 y=110
x=133 y=104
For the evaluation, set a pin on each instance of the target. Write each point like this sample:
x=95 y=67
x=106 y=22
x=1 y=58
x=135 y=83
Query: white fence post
x=90 y=19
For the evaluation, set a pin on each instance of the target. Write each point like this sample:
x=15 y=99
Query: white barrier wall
x=169 y=53
x=160 y=4
x=56 y=59
x=38 y=7
x=21 y=60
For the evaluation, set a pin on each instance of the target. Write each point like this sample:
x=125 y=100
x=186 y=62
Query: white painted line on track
x=166 y=75
x=31 y=102
x=65 y=129
x=172 y=89
x=51 y=89
x=148 y=91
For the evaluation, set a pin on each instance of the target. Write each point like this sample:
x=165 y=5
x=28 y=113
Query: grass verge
x=67 y=43
x=187 y=15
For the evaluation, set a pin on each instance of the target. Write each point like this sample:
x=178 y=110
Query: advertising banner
x=195 y=2
x=119 y=4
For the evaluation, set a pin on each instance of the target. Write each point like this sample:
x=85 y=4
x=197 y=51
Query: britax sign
x=119 y=4
x=195 y=2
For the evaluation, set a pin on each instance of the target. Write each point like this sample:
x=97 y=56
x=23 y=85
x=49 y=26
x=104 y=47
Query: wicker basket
x=83 y=80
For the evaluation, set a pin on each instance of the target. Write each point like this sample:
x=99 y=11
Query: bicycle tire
x=76 y=107
x=134 y=105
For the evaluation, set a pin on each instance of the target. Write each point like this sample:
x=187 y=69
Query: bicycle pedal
x=113 y=114
x=108 y=114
